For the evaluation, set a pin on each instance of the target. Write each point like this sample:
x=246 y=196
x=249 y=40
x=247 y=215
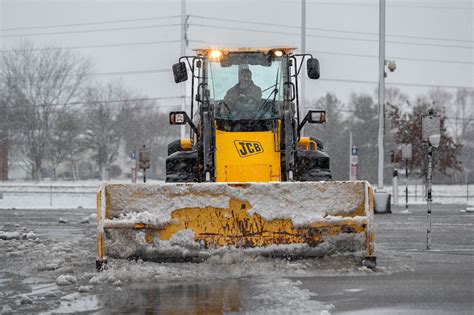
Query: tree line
x=53 y=114
x=453 y=160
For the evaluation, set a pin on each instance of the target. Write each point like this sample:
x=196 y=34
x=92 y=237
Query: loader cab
x=245 y=119
x=246 y=87
x=216 y=73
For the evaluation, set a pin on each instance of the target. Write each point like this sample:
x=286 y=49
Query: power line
x=397 y=83
x=88 y=23
x=122 y=100
x=131 y=72
x=179 y=105
x=227 y=20
x=94 y=31
x=356 y=55
x=105 y=101
x=391 y=57
x=321 y=79
x=447 y=117
x=327 y=29
x=278 y=32
x=324 y=36
x=96 y=46
x=391 y=5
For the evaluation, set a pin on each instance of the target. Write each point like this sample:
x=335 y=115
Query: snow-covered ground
x=48 y=265
x=443 y=194
x=81 y=194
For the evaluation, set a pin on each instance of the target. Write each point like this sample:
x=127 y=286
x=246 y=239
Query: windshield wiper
x=262 y=108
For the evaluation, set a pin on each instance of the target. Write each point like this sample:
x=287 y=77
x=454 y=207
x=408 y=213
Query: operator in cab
x=244 y=98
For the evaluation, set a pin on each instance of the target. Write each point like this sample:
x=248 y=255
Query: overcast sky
x=431 y=41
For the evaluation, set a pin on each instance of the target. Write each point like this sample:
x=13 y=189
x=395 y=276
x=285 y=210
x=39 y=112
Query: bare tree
x=4 y=135
x=440 y=98
x=464 y=131
x=149 y=126
x=38 y=83
x=106 y=114
x=464 y=113
x=66 y=141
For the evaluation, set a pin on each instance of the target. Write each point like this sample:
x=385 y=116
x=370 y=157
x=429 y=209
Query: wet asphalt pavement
x=442 y=280
x=410 y=279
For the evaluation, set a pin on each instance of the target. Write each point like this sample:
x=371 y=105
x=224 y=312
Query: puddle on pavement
x=76 y=302
x=214 y=297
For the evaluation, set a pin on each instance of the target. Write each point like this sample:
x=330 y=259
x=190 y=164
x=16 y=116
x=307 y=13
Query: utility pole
x=183 y=52
x=381 y=197
x=381 y=92
x=303 y=51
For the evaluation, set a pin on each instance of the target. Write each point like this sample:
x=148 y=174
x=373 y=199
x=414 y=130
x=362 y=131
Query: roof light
x=215 y=54
x=278 y=53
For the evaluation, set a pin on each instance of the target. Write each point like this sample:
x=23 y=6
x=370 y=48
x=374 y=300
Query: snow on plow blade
x=175 y=222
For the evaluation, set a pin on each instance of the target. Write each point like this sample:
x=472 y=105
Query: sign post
x=395 y=187
x=354 y=162
x=431 y=133
x=406 y=155
x=134 y=166
x=144 y=156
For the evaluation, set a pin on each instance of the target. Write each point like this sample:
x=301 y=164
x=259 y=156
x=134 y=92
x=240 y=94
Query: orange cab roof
x=265 y=50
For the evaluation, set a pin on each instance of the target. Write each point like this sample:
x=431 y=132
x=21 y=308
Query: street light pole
x=381 y=197
x=381 y=92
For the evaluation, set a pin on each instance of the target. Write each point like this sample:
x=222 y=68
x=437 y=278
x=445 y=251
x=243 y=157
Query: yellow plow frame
x=191 y=221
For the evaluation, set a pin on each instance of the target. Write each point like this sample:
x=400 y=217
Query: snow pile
x=182 y=245
x=84 y=221
x=144 y=217
x=232 y=265
x=184 y=238
x=15 y=235
x=25 y=300
x=10 y=235
x=62 y=220
x=84 y=289
x=66 y=280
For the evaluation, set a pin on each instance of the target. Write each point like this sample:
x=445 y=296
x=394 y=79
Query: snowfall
x=48 y=249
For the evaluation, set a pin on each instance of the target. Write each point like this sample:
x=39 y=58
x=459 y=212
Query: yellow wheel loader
x=245 y=179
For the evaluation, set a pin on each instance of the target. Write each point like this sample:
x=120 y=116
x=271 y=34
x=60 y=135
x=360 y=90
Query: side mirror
x=179 y=72
x=178 y=118
x=316 y=116
x=312 y=67
x=313 y=117
x=181 y=118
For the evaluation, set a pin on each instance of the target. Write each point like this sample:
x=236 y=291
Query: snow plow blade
x=192 y=221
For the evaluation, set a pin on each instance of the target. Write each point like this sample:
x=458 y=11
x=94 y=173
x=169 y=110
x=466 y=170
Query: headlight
x=215 y=54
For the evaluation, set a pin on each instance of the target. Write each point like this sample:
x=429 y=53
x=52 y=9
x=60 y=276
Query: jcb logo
x=248 y=148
